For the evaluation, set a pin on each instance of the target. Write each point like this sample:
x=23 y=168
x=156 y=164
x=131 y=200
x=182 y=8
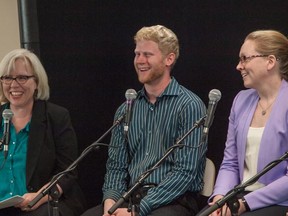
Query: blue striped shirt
x=152 y=130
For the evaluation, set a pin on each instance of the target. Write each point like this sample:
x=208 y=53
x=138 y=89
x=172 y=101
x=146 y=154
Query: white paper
x=11 y=201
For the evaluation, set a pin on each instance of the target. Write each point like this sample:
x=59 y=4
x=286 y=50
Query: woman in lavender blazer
x=258 y=128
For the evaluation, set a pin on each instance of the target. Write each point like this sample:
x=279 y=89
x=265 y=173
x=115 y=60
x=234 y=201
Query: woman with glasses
x=258 y=130
x=41 y=141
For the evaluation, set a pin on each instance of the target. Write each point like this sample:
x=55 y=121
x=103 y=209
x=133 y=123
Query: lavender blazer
x=274 y=144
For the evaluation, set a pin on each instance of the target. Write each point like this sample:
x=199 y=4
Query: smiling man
x=162 y=112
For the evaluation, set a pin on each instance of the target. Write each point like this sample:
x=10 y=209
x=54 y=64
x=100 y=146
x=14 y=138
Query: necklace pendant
x=263 y=112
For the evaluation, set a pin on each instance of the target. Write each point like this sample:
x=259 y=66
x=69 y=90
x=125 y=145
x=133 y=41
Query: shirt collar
x=171 y=90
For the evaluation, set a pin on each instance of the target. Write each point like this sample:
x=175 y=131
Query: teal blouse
x=13 y=173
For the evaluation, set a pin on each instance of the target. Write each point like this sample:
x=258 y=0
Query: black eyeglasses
x=22 y=79
x=244 y=59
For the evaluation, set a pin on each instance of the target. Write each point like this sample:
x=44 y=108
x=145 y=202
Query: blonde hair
x=271 y=42
x=165 y=38
x=8 y=64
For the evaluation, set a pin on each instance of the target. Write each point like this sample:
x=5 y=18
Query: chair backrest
x=209 y=178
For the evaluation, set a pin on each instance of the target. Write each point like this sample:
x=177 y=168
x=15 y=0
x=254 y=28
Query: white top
x=252 y=150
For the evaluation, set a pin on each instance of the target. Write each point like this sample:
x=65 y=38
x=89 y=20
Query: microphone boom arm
x=94 y=146
x=142 y=177
x=231 y=195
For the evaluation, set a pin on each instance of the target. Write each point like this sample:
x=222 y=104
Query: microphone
x=130 y=95
x=214 y=97
x=7 y=116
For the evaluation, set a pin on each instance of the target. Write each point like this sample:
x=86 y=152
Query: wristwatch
x=245 y=204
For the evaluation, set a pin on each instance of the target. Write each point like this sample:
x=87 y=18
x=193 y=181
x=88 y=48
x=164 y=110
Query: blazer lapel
x=244 y=124
x=36 y=137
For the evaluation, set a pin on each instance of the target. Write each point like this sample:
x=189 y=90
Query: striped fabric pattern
x=153 y=129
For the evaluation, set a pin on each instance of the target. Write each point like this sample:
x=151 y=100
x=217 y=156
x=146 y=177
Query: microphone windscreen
x=7 y=114
x=130 y=94
x=214 y=95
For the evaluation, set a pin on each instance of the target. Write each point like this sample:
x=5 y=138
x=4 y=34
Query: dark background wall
x=87 y=49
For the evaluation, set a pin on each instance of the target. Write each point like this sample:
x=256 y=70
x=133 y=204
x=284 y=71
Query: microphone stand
x=231 y=196
x=2 y=140
x=55 y=195
x=142 y=177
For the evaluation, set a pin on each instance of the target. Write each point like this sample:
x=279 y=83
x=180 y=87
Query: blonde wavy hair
x=8 y=64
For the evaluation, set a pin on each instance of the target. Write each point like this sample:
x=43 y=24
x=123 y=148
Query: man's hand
x=108 y=203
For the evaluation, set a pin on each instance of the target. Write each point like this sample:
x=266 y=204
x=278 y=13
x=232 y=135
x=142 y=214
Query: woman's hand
x=225 y=210
x=28 y=197
x=218 y=211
